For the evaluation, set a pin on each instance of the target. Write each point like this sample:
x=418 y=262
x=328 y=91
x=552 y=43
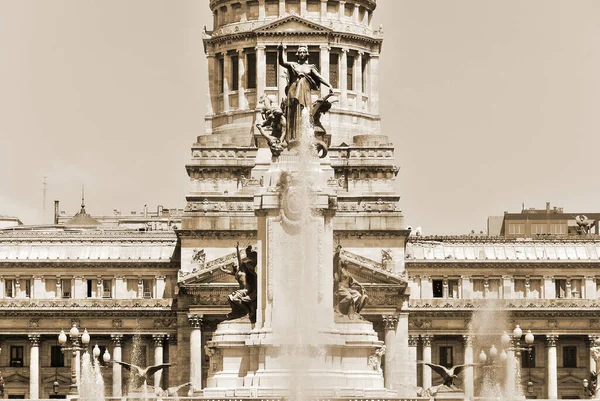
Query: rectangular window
x=558 y=229
x=235 y=72
x=221 y=74
x=16 y=356
x=90 y=288
x=365 y=63
x=350 y=73
x=539 y=229
x=252 y=13
x=65 y=285
x=147 y=288
x=106 y=288
x=560 y=286
x=334 y=70
x=528 y=358
x=271 y=73
x=9 y=288
x=251 y=71
x=446 y=357
x=438 y=288
x=569 y=356
x=272 y=8
x=27 y=283
x=292 y=6
x=516 y=229
x=57 y=358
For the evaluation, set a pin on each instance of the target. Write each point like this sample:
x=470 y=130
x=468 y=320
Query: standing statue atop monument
x=243 y=300
x=302 y=79
x=350 y=300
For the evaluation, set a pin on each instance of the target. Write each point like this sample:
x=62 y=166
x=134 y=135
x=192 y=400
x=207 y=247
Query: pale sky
x=489 y=104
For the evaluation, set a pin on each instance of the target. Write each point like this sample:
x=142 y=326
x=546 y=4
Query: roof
x=87 y=246
x=493 y=248
x=82 y=219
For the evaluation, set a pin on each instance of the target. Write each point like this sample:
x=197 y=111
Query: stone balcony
x=86 y=304
x=514 y=304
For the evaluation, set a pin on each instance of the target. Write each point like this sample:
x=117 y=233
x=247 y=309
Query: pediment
x=292 y=23
x=209 y=272
x=369 y=271
x=569 y=379
x=16 y=378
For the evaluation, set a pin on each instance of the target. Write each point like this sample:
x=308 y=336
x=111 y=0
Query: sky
x=490 y=104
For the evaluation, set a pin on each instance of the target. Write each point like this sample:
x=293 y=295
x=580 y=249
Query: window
x=292 y=6
x=65 y=285
x=221 y=74
x=569 y=356
x=9 y=288
x=16 y=356
x=106 y=288
x=334 y=70
x=251 y=70
x=528 y=358
x=90 y=288
x=27 y=283
x=438 y=288
x=272 y=8
x=57 y=358
x=252 y=13
x=516 y=229
x=271 y=73
x=539 y=229
x=350 y=73
x=560 y=286
x=558 y=229
x=446 y=357
x=235 y=72
x=147 y=288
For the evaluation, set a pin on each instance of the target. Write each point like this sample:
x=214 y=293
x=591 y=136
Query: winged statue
x=140 y=376
x=448 y=374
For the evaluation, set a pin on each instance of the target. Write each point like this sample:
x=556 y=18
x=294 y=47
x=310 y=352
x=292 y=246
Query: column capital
x=260 y=46
x=551 y=340
x=468 y=340
x=158 y=340
x=427 y=339
x=171 y=339
x=240 y=51
x=413 y=340
x=345 y=50
x=324 y=47
x=195 y=321
x=34 y=340
x=390 y=322
x=374 y=55
x=117 y=340
x=592 y=339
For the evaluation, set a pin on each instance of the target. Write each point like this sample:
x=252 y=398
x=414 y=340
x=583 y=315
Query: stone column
x=117 y=355
x=590 y=287
x=282 y=81
x=358 y=80
x=261 y=10
x=34 y=366
x=324 y=57
x=37 y=287
x=261 y=67
x=355 y=13
x=226 y=77
x=511 y=371
x=413 y=342
x=323 y=13
x=303 y=10
x=282 y=11
x=158 y=340
x=426 y=339
x=341 y=9
x=468 y=372
x=552 y=367
x=549 y=288
x=344 y=78
x=389 y=323
x=211 y=60
x=195 y=352
x=591 y=340
x=374 y=83
x=242 y=104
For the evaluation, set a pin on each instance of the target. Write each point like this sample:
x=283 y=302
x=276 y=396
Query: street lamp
x=74 y=347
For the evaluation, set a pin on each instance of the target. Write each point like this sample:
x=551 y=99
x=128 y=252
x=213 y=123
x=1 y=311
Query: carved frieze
x=207 y=206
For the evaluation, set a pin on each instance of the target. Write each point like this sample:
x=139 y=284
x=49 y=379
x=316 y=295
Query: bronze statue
x=140 y=376
x=302 y=79
x=447 y=374
x=350 y=300
x=275 y=121
x=243 y=300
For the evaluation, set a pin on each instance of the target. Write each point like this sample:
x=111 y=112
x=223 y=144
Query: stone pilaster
x=261 y=10
x=195 y=322
x=413 y=343
x=226 y=78
x=390 y=323
x=117 y=354
x=158 y=341
x=211 y=62
x=427 y=340
x=281 y=77
x=358 y=80
x=552 y=367
x=282 y=11
x=344 y=79
x=341 y=9
x=324 y=58
x=242 y=103
x=34 y=366
x=303 y=10
x=323 y=13
x=261 y=66
x=468 y=372
x=374 y=83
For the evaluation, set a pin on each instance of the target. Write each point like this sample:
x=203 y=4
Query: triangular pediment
x=292 y=23
x=209 y=272
x=369 y=271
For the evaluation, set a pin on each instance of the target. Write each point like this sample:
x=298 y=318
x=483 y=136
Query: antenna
x=45 y=185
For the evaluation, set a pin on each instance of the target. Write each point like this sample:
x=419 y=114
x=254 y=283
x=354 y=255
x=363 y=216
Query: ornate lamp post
x=75 y=347
x=96 y=353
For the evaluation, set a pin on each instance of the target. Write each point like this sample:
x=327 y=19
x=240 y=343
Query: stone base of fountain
x=445 y=393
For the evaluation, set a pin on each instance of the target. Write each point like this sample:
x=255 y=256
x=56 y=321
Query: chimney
x=56 y=212
x=145 y=210
x=547 y=207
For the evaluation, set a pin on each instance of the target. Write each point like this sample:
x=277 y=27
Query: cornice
x=217 y=234
x=495 y=264
x=89 y=264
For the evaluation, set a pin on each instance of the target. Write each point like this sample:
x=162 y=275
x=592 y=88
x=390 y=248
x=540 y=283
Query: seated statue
x=351 y=294
x=243 y=300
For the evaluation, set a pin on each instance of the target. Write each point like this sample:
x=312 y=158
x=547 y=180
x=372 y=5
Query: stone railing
x=452 y=303
x=138 y=303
